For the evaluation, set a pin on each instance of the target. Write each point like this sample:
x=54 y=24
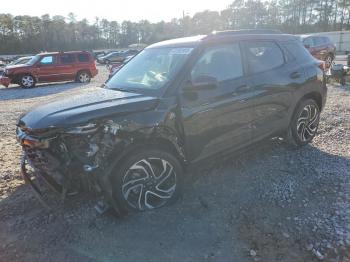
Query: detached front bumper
x=32 y=180
x=5 y=81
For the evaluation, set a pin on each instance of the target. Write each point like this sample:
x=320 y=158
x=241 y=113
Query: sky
x=133 y=10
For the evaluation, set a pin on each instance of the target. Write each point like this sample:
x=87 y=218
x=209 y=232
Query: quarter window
x=262 y=56
x=222 y=62
x=308 y=42
x=47 y=60
x=83 y=58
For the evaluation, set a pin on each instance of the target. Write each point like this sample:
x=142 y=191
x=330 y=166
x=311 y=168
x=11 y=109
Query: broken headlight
x=83 y=129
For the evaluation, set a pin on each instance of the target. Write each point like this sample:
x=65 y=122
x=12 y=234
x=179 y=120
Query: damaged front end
x=70 y=160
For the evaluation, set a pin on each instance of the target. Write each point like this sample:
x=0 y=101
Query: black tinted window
x=263 y=56
x=67 y=59
x=222 y=62
x=296 y=51
x=83 y=57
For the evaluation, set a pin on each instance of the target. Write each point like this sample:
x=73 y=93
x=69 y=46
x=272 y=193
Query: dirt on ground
x=268 y=203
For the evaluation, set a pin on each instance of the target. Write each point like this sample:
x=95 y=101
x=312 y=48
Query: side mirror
x=307 y=46
x=201 y=83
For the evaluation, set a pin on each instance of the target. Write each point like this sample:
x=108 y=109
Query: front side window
x=263 y=56
x=47 y=60
x=151 y=69
x=220 y=62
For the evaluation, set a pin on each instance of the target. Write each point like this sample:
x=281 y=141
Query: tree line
x=31 y=34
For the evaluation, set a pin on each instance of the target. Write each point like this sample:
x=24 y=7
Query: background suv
x=177 y=102
x=116 y=57
x=51 y=67
x=321 y=47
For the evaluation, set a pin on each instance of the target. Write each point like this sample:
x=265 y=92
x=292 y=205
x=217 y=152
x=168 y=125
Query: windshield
x=33 y=60
x=150 y=70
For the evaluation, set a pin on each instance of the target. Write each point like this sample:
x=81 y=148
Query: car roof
x=68 y=52
x=306 y=36
x=194 y=41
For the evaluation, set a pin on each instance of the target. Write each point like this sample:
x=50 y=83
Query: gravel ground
x=267 y=204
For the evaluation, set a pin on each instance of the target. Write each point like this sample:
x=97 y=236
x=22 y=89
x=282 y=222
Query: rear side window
x=222 y=62
x=263 y=56
x=67 y=59
x=296 y=51
x=83 y=57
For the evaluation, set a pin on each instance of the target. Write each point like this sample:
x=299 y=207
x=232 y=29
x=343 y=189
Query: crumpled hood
x=87 y=107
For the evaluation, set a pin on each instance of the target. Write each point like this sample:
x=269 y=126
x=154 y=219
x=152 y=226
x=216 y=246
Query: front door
x=46 y=69
x=217 y=118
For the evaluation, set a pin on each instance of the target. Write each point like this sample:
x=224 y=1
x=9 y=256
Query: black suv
x=175 y=103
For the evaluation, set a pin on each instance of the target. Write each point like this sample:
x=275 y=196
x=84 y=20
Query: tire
x=83 y=77
x=137 y=188
x=27 y=81
x=304 y=124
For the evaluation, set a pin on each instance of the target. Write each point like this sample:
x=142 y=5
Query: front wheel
x=27 y=81
x=147 y=180
x=304 y=124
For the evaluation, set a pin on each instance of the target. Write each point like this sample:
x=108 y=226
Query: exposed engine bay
x=74 y=161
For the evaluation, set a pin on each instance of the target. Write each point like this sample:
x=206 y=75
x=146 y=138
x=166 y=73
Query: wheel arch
x=151 y=143
x=315 y=96
x=83 y=70
x=16 y=78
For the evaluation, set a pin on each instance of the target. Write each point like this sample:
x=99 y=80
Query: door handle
x=295 y=75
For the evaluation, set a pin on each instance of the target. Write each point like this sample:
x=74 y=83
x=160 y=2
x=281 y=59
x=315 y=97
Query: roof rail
x=245 y=31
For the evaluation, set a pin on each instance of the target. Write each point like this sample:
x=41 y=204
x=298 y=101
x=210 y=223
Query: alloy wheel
x=308 y=122
x=84 y=77
x=27 y=81
x=149 y=183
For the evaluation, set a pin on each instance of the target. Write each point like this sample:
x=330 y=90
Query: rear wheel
x=27 y=81
x=304 y=124
x=83 y=77
x=147 y=180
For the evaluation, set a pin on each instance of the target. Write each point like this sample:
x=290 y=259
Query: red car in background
x=321 y=47
x=114 y=68
x=51 y=67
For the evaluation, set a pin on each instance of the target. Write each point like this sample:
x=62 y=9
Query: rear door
x=272 y=81
x=216 y=119
x=46 y=69
x=66 y=66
